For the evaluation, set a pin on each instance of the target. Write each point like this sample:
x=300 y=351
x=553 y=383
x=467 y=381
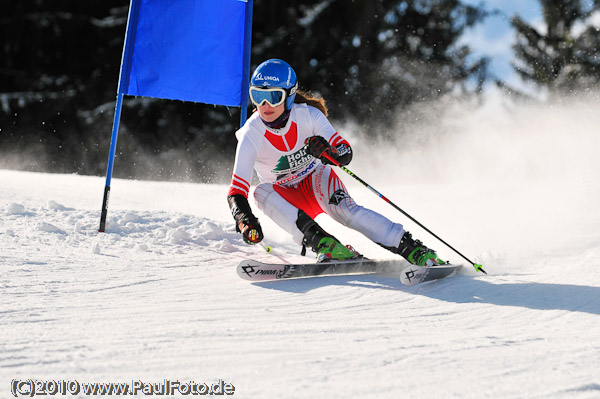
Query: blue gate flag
x=190 y=50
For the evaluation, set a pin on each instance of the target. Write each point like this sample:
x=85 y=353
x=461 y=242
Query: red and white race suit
x=291 y=179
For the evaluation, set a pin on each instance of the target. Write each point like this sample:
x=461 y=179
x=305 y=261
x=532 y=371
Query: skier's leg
x=278 y=209
x=338 y=204
x=335 y=200
x=304 y=230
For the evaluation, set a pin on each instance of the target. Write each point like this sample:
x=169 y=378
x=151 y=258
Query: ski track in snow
x=157 y=295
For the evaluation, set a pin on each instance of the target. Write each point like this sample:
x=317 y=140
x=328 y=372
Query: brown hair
x=307 y=97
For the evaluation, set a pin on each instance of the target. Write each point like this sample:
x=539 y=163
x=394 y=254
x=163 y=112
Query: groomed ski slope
x=156 y=297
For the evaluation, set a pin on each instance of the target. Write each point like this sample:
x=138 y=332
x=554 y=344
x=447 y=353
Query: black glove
x=317 y=146
x=245 y=221
x=250 y=229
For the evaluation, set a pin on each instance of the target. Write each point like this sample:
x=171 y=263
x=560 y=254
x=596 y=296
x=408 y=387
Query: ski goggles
x=273 y=96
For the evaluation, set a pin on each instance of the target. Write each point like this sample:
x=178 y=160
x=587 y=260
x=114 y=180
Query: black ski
x=410 y=275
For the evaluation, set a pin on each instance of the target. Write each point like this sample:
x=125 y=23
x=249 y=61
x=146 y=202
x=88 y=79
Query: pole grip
x=333 y=161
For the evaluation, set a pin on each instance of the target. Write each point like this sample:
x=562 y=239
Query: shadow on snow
x=465 y=289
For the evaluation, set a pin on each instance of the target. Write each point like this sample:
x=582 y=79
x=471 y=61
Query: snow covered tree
x=563 y=54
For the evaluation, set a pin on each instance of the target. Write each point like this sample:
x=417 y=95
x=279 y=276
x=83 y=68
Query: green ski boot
x=416 y=253
x=331 y=249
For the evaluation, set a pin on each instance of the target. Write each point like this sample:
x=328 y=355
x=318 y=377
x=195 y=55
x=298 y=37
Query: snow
x=157 y=296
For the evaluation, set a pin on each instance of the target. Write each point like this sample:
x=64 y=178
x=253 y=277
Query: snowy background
x=511 y=186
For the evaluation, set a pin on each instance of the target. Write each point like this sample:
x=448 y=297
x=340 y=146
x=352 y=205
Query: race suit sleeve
x=237 y=196
x=245 y=156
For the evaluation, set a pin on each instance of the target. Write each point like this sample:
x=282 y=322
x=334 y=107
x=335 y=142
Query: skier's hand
x=250 y=229
x=245 y=221
x=317 y=146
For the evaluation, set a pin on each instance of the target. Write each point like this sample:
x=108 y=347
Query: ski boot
x=416 y=253
x=326 y=246
x=331 y=249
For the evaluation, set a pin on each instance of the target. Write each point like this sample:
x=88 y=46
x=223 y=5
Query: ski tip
x=479 y=268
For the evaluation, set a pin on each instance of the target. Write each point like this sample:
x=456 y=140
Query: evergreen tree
x=369 y=57
x=563 y=55
x=60 y=66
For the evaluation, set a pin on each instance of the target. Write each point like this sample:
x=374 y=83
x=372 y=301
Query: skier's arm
x=245 y=221
x=237 y=197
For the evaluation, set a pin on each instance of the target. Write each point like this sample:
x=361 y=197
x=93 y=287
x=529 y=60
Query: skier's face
x=268 y=113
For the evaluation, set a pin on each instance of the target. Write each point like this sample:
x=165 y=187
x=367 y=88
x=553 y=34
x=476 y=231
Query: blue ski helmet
x=276 y=73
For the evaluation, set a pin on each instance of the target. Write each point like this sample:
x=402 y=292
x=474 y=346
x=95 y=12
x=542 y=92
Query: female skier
x=285 y=142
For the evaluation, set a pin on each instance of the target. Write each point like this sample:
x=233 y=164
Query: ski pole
x=477 y=267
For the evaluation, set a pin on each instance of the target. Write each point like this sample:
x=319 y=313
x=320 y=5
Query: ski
x=253 y=270
x=258 y=271
x=413 y=275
